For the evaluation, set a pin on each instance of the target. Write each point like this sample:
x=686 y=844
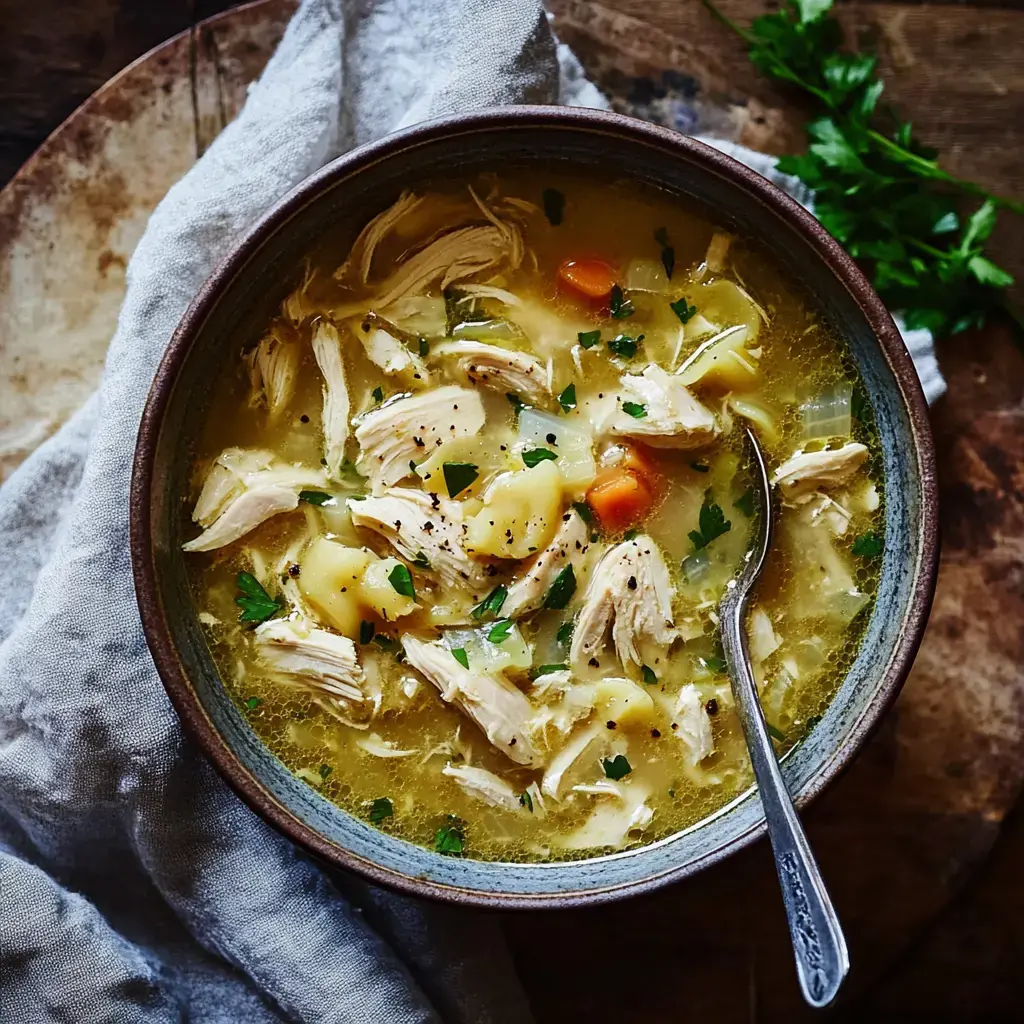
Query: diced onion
x=487 y=330
x=830 y=414
x=574 y=447
x=645 y=276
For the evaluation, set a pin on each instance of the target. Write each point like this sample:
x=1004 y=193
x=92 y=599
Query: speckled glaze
x=254 y=278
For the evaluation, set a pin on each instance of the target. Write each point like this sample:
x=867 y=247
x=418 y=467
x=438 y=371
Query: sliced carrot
x=638 y=459
x=592 y=278
x=620 y=498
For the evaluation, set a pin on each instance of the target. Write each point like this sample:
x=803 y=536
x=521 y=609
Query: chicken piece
x=692 y=725
x=501 y=369
x=807 y=472
x=630 y=592
x=273 y=372
x=319 y=660
x=405 y=427
x=245 y=513
x=498 y=708
x=764 y=641
x=327 y=350
x=671 y=418
x=527 y=593
x=563 y=704
x=613 y=823
x=370 y=237
x=385 y=351
x=415 y=523
x=484 y=785
x=227 y=479
x=553 y=782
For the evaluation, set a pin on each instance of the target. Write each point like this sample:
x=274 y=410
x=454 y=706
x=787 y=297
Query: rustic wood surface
x=919 y=813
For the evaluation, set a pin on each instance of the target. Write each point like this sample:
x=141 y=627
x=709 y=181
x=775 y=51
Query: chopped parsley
x=711 y=522
x=715 y=663
x=867 y=545
x=526 y=800
x=588 y=339
x=619 y=306
x=401 y=580
x=554 y=206
x=775 y=733
x=499 y=632
x=745 y=503
x=315 y=497
x=325 y=770
x=450 y=838
x=253 y=703
x=668 y=254
x=421 y=561
x=623 y=345
x=492 y=603
x=700 y=467
x=546 y=670
x=424 y=347
x=634 y=409
x=380 y=809
x=561 y=591
x=567 y=399
x=518 y=405
x=535 y=456
x=616 y=767
x=564 y=634
x=458 y=476
x=366 y=631
x=584 y=511
x=648 y=676
x=683 y=310
x=460 y=655
x=378 y=394
x=256 y=604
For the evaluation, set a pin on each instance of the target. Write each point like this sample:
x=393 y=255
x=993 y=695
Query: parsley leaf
x=315 y=497
x=584 y=511
x=543 y=670
x=421 y=561
x=683 y=310
x=620 y=307
x=647 y=674
x=458 y=476
x=715 y=664
x=460 y=655
x=561 y=590
x=567 y=399
x=535 y=456
x=450 y=838
x=518 y=405
x=492 y=603
x=564 y=634
x=745 y=503
x=256 y=604
x=378 y=394
x=424 y=347
x=711 y=522
x=401 y=581
x=554 y=206
x=617 y=767
x=867 y=545
x=253 y=703
x=500 y=630
x=526 y=800
x=366 y=631
x=588 y=339
x=324 y=771
x=623 y=345
x=380 y=809
x=634 y=409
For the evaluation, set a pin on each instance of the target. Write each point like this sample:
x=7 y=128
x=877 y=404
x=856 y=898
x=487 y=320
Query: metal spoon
x=822 y=960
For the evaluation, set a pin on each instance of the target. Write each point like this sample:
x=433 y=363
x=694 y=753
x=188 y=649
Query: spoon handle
x=822 y=960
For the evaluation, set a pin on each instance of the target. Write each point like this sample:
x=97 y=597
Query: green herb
x=315 y=497
x=715 y=664
x=421 y=561
x=253 y=703
x=460 y=655
x=256 y=604
x=450 y=838
x=711 y=522
x=516 y=402
x=564 y=634
x=458 y=476
x=554 y=206
x=366 y=631
x=500 y=630
x=631 y=534
x=588 y=339
x=567 y=399
x=745 y=503
x=774 y=733
x=380 y=809
x=378 y=394
x=619 y=307
x=526 y=800
x=700 y=467
x=868 y=545
x=325 y=770
x=668 y=254
x=401 y=580
x=634 y=409
x=534 y=456
x=683 y=310
x=561 y=591
x=492 y=603
x=647 y=674
x=623 y=345
x=877 y=189
x=616 y=767
x=544 y=670
x=454 y=314
x=584 y=511
x=424 y=347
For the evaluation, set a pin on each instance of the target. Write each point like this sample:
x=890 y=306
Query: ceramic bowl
x=262 y=268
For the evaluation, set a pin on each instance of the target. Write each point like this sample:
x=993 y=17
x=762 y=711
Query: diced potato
x=377 y=591
x=569 y=438
x=483 y=451
x=521 y=513
x=329 y=580
x=623 y=702
x=512 y=653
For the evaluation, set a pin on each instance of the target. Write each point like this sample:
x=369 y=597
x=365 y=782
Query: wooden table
x=921 y=811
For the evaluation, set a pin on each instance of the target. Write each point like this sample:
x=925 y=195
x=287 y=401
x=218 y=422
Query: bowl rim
x=626 y=131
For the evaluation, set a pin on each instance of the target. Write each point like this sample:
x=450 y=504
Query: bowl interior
x=339 y=200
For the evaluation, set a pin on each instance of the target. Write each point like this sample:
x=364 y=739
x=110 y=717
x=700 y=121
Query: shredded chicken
x=273 y=371
x=327 y=350
x=484 y=785
x=376 y=745
x=527 y=593
x=672 y=417
x=501 y=369
x=763 y=639
x=414 y=524
x=497 y=707
x=575 y=747
x=370 y=237
x=390 y=355
x=630 y=593
x=407 y=428
x=807 y=472
x=612 y=823
x=692 y=725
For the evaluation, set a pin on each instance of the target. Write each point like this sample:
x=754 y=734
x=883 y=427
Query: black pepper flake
x=419 y=442
x=366 y=326
x=435 y=501
x=304 y=418
x=631 y=583
x=675 y=725
x=656 y=733
x=594 y=663
x=294 y=569
x=711 y=707
x=512 y=742
x=611 y=725
x=551 y=439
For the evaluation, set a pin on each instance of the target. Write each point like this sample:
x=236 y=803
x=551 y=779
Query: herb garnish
x=366 y=631
x=518 y=405
x=380 y=809
x=715 y=664
x=564 y=635
x=711 y=522
x=877 y=189
x=745 y=503
x=562 y=589
x=451 y=837
x=256 y=604
x=619 y=307
x=634 y=409
x=774 y=733
x=315 y=497
x=584 y=511
x=617 y=767
x=460 y=655
x=324 y=771
x=588 y=339
x=526 y=800
x=544 y=670
x=623 y=345
x=554 y=206
x=683 y=310
x=424 y=347
x=253 y=703
x=499 y=632
x=401 y=580
x=492 y=603
x=668 y=254
x=378 y=394
x=534 y=456
x=567 y=399
x=647 y=674
x=867 y=545
x=421 y=561
x=458 y=476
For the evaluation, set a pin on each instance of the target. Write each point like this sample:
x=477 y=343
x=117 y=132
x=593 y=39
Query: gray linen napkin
x=133 y=885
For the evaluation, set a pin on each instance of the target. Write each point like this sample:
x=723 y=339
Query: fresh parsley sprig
x=876 y=188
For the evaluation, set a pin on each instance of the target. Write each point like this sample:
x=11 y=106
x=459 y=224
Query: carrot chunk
x=592 y=278
x=620 y=498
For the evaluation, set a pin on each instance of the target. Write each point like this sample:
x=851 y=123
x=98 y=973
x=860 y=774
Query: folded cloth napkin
x=133 y=885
